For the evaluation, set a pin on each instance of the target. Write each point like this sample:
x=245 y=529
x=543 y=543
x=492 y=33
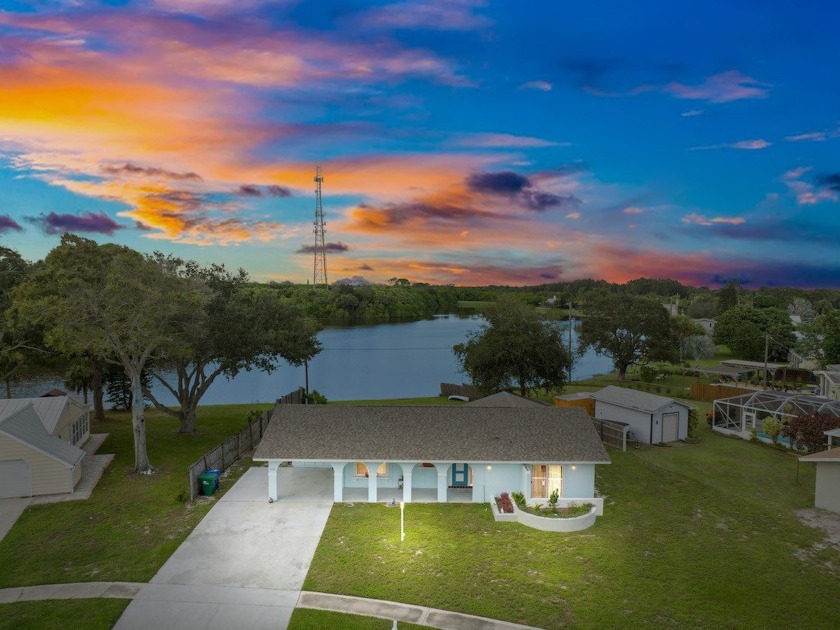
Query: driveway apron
x=245 y=563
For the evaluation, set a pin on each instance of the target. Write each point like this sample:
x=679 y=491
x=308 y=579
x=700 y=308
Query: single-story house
x=707 y=324
x=577 y=399
x=32 y=461
x=468 y=453
x=829 y=381
x=62 y=416
x=652 y=419
x=827 y=492
x=39 y=445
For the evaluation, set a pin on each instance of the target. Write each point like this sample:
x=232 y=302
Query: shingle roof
x=832 y=455
x=505 y=400
x=468 y=434
x=26 y=427
x=49 y=409
x=633 y=399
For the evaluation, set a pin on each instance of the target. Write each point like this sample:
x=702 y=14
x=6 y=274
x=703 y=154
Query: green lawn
x=306 y=619
x=697 y=535
x=132 y=523
x=78 y=614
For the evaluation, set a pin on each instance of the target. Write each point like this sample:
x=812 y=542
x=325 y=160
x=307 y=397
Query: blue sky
x=462 y=141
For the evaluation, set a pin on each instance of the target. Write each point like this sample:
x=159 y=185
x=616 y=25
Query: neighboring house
x=62 y=416
x=470 y=453
x=652 y=419
x=829 y=380
x=827 y=491
x=32 y=461
x=578 y=399
x=707 y=324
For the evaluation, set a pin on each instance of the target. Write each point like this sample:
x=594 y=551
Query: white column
x=407 y=469
x=442 y=485
x=338 y=481
x=372 y=480
x=272 y=480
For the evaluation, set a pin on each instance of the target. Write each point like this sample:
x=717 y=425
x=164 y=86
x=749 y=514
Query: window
x=79 y=430
x=362 y=470
x=545 y=480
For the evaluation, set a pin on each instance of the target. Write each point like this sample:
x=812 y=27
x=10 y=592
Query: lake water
x=401 y=360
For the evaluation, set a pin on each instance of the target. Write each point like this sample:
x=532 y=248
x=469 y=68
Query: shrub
x=710 y=417
x=315 y=398
x=552 y=500
x=808 y=430
x=648 y=373
x=519 y=499
x=504 y=503
x=694 y=424
x=772 y=427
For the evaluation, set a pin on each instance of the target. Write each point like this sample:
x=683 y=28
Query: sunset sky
x=462 y=141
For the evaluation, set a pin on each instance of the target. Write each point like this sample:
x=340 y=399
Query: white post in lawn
x=338 y=481
x=372 y=480
x=442 y=485
x=272 y=480
x=407 y=469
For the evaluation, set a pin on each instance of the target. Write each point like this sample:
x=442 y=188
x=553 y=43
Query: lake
x=402 y=360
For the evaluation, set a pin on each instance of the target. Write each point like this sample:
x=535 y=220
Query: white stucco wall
x=580 y=482
x=500 y=478
x=827 y=493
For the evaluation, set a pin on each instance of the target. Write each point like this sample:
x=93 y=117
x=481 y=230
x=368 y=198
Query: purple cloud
x=86 y=222
x=332 y=248
x=278 y=191
x=150 y=171
x=7 y=224
x=501 y=183
x=249 y=190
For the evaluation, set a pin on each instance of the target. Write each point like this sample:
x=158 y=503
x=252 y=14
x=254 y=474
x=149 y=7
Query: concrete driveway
x=244 y=565
x=10 y=511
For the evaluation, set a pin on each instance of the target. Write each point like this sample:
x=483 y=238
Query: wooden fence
x=709 y=392
x=451 y=389
x=226 y=453
x=612 y=433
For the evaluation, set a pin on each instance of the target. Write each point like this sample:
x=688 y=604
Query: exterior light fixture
x=402 y=520
x=489 y=467
x=574 y=467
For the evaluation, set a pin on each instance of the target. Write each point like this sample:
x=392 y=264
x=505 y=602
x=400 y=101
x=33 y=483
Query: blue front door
x=460 y=475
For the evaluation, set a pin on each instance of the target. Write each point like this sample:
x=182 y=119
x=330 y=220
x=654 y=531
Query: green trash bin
x=209 y=482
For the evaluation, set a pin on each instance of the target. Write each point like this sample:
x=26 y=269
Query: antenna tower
x=319 y=274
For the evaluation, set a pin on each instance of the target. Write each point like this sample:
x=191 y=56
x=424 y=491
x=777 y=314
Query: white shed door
x=15 y=479
x=670 y=427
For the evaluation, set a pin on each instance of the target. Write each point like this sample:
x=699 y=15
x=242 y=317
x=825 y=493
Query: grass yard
x=306 y=619
x=699 y=535
x=132 y=523
x=60 y=614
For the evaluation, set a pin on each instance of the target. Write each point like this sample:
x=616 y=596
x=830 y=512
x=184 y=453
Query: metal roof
x=49 y=409
x=25 y=426
x=426 y=434
x=634 y=399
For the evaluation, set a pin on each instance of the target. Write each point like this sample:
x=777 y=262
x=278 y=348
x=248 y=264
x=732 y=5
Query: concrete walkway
x=77 y=590
x=421 y=615
x=10 y=511
x=243 y=566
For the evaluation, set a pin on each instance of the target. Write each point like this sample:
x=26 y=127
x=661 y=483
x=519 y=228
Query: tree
x=239 y=329
x=683 y=328
x=626 y=329
x=808 y=430
x=831 y=342
x=698 y=347
x=728 y=296
x=702 y=307
x=514 y=348
x=110 y=301
x=746 y=330
x=79 y=377
x=14 y=344
x=803 y=309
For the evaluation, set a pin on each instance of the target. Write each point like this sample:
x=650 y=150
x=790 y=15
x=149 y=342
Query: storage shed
x=827 y=491
x=579 y=399
x=653 y=419
x=32 y=461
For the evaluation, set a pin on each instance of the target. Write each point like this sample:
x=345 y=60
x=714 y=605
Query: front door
x=460 y=475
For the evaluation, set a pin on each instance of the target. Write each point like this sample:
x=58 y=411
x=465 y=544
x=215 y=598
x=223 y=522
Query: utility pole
x=766 y=355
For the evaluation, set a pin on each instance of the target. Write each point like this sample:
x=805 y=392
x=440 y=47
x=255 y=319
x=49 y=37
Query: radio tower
x=319 y=275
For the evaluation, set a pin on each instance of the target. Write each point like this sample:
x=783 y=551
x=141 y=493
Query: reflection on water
x=359 y=362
